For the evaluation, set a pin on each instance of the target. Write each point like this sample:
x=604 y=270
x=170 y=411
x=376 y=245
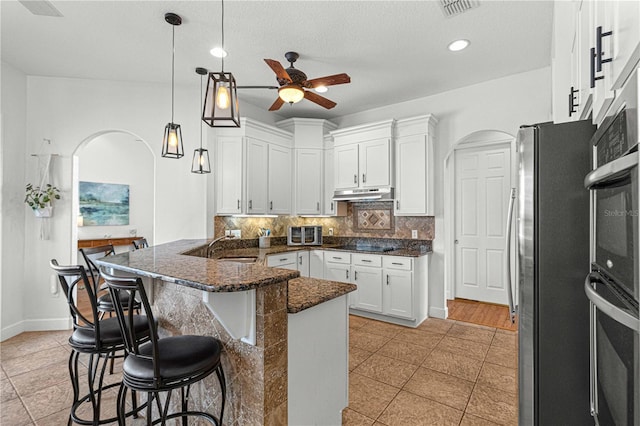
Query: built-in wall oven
x=612 y=285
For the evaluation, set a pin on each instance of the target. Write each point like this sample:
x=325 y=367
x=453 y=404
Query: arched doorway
x=484 y=141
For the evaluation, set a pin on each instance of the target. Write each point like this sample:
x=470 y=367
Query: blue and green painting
x=104 y=203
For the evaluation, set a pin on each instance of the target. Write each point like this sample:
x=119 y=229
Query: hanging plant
x=40 y=199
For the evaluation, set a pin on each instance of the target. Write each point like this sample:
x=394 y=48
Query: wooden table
x=123 y=241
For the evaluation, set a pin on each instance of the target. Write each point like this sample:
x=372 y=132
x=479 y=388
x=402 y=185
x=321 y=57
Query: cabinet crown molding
x=415 y=125
x=258 y=130
x=363 y=132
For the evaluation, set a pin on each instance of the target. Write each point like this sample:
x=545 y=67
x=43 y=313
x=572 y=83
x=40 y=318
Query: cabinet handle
x=332 y=206
x=283 y=259
x=599 y=60
x=270 y=205
x=337 y=258
x=355 y=178
x=355 y=275
x=366 y=260
x=238 y=204
x=572 y=101
x=387 y=279
x=250 y=204
x=396 y=263
x=364 y=178
x=347 y=271
x=397 y=204
x=300 y=260
x=318 y=205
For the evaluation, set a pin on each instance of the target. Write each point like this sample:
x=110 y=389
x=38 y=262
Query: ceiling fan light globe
x=291 y=94
x=321 y=89
x=218 y=52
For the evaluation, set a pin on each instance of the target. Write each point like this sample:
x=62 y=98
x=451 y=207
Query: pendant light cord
x=222 y=26
x=173 y=60
x=201 y=109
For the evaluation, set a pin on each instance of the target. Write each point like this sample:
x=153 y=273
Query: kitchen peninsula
x=279 y=331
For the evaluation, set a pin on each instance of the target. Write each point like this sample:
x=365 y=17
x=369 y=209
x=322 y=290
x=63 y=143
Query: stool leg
x=73 y=375
x=223 y=389
x=185 y=403
x=122 y=402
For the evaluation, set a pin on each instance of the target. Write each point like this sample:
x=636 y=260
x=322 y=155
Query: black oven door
x=615 y=375
x=616 y=220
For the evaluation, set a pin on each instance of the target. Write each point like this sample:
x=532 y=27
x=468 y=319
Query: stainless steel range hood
x=373 y=194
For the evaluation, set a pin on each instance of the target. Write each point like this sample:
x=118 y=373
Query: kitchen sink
x=238 y=259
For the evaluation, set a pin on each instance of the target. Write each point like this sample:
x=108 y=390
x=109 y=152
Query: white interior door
x=483 y=182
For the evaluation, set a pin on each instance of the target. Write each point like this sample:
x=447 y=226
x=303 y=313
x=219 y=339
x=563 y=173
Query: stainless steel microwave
x=304 y=236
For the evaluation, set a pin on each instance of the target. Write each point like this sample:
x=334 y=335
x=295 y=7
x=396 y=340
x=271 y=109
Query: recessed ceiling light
x=457 y=45
x=218 y=52
x=321 y=89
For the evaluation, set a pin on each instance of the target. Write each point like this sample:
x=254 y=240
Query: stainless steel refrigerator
x=552 y=222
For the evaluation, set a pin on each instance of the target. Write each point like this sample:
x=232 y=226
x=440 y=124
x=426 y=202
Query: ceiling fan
x=293 y=84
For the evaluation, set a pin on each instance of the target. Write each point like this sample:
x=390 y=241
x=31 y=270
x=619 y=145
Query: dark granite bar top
x=168 y=263
x=305 y=293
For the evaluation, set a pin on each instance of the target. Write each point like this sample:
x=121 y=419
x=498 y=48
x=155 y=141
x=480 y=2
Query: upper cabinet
x=254 y=169
x=363 y=156
x=414 y=166
x=596 y=47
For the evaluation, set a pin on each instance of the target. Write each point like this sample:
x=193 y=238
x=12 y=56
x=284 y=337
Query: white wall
x=120 y=158
x=13 y=118
x=502 y=104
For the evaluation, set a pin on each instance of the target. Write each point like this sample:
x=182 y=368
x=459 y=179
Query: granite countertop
x=305 y=293
x=168 y=263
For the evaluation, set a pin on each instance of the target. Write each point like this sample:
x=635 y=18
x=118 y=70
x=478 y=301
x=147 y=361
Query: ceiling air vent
x=456 y=7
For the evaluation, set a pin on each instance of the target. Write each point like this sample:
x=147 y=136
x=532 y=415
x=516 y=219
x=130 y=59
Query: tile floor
x=443 y=373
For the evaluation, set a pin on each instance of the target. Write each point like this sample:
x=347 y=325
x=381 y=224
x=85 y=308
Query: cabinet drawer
x=397 y=262
x=337 y=257
x=367 y=260
x=276 y=260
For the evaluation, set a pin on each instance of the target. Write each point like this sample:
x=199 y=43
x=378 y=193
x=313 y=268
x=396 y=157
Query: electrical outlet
x=133 y=232
x=237 y=233
x=227 y=232
x=330 y=231
x=414 y=234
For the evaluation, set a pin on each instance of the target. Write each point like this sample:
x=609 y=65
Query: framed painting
x=104 y=203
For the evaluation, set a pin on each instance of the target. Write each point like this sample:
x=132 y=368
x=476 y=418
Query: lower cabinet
x=287 y=260
x=303 y=263
x=397 y=293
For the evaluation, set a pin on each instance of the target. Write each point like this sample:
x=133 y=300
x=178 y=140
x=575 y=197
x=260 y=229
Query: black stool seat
x=105 y=302
x=179 y=358
x=110 y=334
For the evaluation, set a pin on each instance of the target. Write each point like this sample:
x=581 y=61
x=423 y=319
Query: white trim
x=47 y=324
x=436 y=312
x=473 y=140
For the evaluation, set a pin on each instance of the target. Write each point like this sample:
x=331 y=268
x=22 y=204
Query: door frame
x=478 y=139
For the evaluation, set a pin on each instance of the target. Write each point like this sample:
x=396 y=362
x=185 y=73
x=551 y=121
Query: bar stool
x=105 y=303
x=99 y=338
x=139 y=243
x=162 y=365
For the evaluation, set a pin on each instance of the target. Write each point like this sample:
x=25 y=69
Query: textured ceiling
x=393 y=50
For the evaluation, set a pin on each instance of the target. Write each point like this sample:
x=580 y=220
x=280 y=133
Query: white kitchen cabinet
x=367 y=275
x=581 y=56
x=279 y=180
x=257 y=176
x=624 y=21
x=603 y=96
x=316 y=264
x=303 y=263
x=414 y=166
x=398 y=293
x=309 y=185
x=331 y=208
x=288 y=260
x=363 y=156
x=228 y=172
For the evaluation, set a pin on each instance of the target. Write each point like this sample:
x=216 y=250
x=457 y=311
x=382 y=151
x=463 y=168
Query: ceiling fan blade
x=277 y=104
x=277 y=67
x=329 y=80
x=257 y=87
x=320 y=100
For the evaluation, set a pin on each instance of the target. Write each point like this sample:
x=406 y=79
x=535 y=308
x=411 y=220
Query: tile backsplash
x=345 y=226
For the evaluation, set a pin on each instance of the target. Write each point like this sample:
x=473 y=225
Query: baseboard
x=436 y=312
x=49 y=324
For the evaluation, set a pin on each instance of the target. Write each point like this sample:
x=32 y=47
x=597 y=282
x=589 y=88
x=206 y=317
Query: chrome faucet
x=215 y=240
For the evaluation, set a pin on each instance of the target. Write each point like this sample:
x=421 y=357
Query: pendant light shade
x=172 y=142
x=200 y=163
x=221 y=101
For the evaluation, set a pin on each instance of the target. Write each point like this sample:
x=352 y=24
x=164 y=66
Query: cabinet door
x=316 y=264
x=303 y=263
x=329 y=187
x=228 y=175
x=625 y=25
x=411 y=176
x=337 y=272
x=257 y=152
x=375 y=163
x=398 y=293
x=346 y=166
x=308 y=181
x=602 y=94
x=279 y=180
x=582 y=45
x=369 y=282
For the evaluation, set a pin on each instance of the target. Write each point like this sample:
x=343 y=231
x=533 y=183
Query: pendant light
x=221 y=101
x=200 y=163
x=172 y=141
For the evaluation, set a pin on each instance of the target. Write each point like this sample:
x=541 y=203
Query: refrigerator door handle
x=607 y=307
x=507 y=263
x=612 y=172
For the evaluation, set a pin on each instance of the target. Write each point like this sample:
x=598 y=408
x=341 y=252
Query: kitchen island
x=268 y=320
